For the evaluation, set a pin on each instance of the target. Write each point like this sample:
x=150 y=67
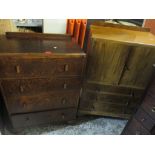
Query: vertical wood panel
x=106 y=61
x=139 y=67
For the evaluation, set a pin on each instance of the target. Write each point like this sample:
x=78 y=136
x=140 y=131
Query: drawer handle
x=65 y=85
x=64 y=101
x=21 y=89
x=24 y=105
x=92 y=107
x=63 y=116
x=17 y=69
x=66 y=68
x=55 y=47
x=153 y=109
x=127 y=103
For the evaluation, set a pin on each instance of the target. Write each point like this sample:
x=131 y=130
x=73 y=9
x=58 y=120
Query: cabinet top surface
x=127 y=36
x=33 y=45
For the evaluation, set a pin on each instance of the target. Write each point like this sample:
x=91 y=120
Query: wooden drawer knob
x=153 y=109
x=66 y=68
x=127 y=103
x=92 y=107
x=55 y=47
x=65 y=85
x=21 y=89
x=24 y=105
x=63 y=116
x=17 y=69
x=64 y=101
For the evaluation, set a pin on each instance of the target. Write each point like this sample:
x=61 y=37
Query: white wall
x=54 y=26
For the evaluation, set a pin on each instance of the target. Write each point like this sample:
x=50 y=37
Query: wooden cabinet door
x=105 y=66
x=106 y=61
x=138 y=67
x=117 y=66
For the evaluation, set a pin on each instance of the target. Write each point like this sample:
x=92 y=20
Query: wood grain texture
x=123 y=36
x=119 y=67
x=41 y=77
x=42 y=101
x=106 y=62
x=36 y=85
x=126 y=27
x=46 y=117
x=139 y=67
x=28 y=44
x=18 y=67
x=47 y=36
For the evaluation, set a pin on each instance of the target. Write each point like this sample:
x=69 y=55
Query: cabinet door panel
x=139 y=67
x=106 y=61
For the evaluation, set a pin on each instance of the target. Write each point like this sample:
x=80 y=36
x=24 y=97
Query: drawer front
x=145 y=119
x=100 y=87
x=109 y=97
x=149 y=106
x=135 y=128
x=33 y=119
x=42 y=101
x=33 y=86
x=40 y=67
x=106 y=109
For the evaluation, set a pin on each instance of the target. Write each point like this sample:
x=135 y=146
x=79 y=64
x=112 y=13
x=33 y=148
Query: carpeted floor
x=86 y=126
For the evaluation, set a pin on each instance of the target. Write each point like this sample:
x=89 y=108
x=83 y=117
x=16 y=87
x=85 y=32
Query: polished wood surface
x=120 y=58
x=41 y=77
x=124 y=36
x=37 y=43
x=120 y=26
x=42 y=101
x=42 y=36
x=20 y=67
x=35 y=85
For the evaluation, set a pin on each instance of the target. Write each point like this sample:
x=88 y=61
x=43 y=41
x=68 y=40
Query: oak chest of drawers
x=40 y=78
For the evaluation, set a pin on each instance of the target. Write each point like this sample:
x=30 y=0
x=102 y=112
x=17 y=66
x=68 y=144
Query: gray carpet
x=86 y=126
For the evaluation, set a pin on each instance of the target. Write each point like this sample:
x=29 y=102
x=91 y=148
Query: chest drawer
x=40 y=67
x=144 y=119
x=32 y=119
x=135 y=128
x=106 y=109
x=33 y=86
x=149 y=106
x=42 y=101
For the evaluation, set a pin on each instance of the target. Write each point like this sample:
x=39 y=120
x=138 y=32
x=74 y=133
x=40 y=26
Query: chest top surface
x=37 y=43
x=123 y=35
